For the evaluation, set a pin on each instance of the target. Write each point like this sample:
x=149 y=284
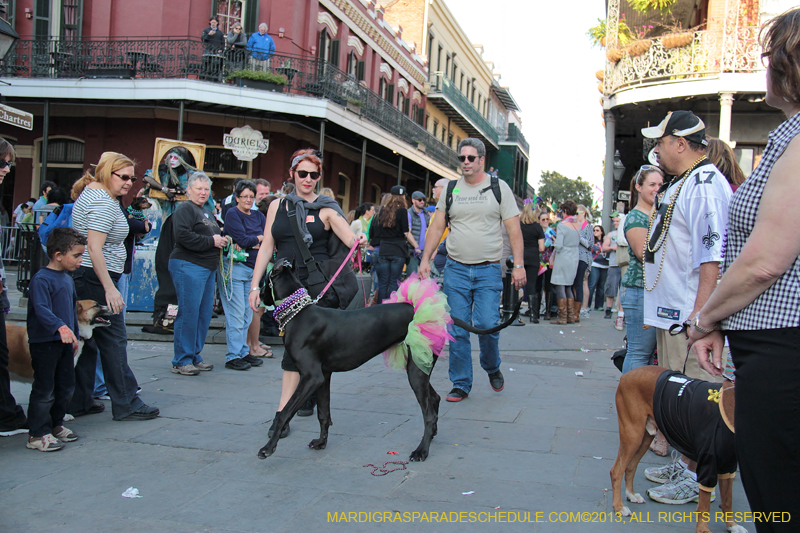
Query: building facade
x=712 y=68
x=114 y=76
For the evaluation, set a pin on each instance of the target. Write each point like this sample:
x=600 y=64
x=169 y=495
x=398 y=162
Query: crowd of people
x=700 y=247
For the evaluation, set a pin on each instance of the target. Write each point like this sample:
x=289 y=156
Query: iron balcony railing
x=191 y=59
x=514 y=135
x=440 y=84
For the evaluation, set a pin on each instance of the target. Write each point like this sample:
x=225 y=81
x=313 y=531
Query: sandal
x=264 y=346
x=266 y=355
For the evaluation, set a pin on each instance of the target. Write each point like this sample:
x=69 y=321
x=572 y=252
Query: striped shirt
x=96 y=210
x=779 y=305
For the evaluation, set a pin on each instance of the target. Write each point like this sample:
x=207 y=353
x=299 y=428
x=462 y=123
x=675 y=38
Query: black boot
x=533 y=305
x=308 y=408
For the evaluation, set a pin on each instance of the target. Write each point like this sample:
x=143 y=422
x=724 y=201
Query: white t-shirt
x=695 y=237
x=476 y=219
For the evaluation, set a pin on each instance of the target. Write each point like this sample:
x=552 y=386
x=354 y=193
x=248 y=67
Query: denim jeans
x=237 y=310
x=473 y=293
x=194 y=286
x=99 y=379
x=641 y=342
x=389 y=268
x=111 y=343
x=597 y=284
x=53 y=384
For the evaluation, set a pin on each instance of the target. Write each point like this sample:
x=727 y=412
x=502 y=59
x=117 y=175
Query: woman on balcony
x=757 y=302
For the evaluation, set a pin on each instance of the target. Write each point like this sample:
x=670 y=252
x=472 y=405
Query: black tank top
x=286 y=245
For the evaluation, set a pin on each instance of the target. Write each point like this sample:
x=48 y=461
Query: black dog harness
x=687 y=412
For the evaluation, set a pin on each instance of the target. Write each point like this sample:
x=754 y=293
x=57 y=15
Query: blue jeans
x=389 y=269
x=99 y=379
x=597 y=284
x=473 y=293
x=641 y=342
x=195 y=288
x=238 y=314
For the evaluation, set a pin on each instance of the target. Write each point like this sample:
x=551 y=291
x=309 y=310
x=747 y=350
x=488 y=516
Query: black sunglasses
x=471 y=158
x=304 y=173
x=5 y=164
x=125 y=177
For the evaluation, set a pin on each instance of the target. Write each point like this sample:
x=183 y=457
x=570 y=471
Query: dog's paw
x=634 y=497
x=318 y=444
x=418 y=455
x=265 y=452
x=736 y=528
x=624 y=511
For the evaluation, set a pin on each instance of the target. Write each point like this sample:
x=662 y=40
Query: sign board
x=16 y=117
x=624 y=196
x=245 y=143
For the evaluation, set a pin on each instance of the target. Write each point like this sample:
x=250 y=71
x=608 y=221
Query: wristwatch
x=519 y=266
x=696 y=325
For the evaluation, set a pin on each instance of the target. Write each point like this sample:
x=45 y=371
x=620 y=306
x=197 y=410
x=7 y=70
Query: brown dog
x=90 y=315
x=637 y=428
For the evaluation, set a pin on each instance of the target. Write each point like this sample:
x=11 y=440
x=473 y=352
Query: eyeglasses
x=305 y=173
x=247 y=197
x=471 y=158
x=125 y=177
x=5 y=164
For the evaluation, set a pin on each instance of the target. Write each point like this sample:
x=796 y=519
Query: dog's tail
x=427 y=333
x=472 y=329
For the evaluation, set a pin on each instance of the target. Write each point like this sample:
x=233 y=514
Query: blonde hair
x=722 y=156
x=109 y=162
x=327 y=191
x=528 y=215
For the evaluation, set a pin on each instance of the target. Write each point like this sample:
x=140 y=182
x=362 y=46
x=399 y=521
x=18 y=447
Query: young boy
x=52 y=334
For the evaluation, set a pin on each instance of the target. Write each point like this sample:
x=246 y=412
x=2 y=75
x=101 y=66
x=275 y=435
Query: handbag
x=342 y=293
x=623 y=256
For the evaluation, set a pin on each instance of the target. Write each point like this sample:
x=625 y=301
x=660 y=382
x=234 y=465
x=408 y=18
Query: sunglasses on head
x=304 y=173
x=471 y=158
x=5 y=164
x=125 y=177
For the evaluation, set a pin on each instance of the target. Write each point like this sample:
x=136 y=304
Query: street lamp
x=619 y=168
x=7 y=34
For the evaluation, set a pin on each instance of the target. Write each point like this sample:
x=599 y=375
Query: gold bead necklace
x=662 y=239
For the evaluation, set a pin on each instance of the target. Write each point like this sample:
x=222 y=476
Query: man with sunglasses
x=683 y=249
x=472 y=276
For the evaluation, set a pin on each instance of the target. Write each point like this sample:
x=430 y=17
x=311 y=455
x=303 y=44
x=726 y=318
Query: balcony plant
x=643 y=6
x=597 y=33
x=257 y=79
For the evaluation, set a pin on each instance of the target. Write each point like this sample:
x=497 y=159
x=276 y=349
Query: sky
x=548 y=64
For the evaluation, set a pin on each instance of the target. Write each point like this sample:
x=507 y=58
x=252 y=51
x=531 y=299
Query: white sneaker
x=584 y=313
x=666 y=473
x=619 y=323
x=684 y=490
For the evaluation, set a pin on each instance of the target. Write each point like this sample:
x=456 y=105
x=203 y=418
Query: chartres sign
x=16 y=117
x=245 y=143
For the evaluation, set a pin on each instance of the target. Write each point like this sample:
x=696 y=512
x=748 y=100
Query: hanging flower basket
x=677 y=40
x=600 y=74
x=639 y=47
x=601 y=88
x=614 y=55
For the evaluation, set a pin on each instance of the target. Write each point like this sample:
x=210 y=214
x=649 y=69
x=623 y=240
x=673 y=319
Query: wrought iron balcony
x=455 y=105
x=514 y=135
x=190 y=59
x=706 y=54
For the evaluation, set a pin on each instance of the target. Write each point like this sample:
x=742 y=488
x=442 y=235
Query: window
x=450 y=139
x=228 y=12
x=461 y=83
x=343 y=192
x=447 y=66
x=64 y=161
x=220 y=162
x=430 y=49
x=376 y=194
x=405 y=107
x=360 y=69
x=439 y=59
x=455 y=70
x=390 y=93
x=333 y=53
x=10 y=5
x=400 y=100
x=382 y=88
x=71 y=19
x=352 y=64
x=436 y=128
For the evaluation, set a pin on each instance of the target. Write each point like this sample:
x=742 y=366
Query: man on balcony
x=261 y=48
x=472 y=275
x=681 y=262
x=213 y=38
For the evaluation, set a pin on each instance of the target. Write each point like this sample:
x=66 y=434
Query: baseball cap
x=680 y=124
x=398 y=190
x=418 y=195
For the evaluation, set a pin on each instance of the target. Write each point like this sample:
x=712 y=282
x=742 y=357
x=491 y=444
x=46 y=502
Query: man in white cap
x=681 y=262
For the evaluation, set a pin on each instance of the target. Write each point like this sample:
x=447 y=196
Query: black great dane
x=321 y=341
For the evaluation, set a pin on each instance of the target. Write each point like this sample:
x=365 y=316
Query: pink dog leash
x=330 y=282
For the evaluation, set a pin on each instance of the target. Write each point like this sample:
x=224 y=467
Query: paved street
x=545 y=444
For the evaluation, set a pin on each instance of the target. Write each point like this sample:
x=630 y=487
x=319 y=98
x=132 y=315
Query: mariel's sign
x=245 y=143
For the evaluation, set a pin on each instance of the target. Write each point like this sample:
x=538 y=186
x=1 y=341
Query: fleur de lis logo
x=713 y=395
x=710 y=238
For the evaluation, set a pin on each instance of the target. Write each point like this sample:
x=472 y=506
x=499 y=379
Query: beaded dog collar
x=292 y=305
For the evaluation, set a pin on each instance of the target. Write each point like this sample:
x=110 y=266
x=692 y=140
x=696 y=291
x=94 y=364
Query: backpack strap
x=308 y=259
x=449 y=200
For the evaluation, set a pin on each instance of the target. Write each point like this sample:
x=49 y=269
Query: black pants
x=767 y=432
x=577 y=285
x=112 y=343
x=11 y=415
x=532 y=276
x=53 y=385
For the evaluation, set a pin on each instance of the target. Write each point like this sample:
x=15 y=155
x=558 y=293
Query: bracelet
x=519 y=266
x=256 y=289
